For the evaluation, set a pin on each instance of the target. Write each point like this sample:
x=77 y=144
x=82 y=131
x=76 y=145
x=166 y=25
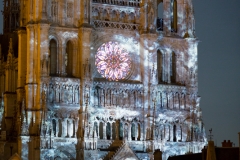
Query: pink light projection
x=112 y=61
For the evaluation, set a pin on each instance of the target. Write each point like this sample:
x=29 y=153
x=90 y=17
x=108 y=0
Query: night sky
x=218 y=29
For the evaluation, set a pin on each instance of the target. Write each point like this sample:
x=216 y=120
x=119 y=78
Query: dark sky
x=218 y=29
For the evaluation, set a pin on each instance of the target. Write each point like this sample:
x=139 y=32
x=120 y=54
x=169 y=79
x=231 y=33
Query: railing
x=131 y=3
x=108 y=24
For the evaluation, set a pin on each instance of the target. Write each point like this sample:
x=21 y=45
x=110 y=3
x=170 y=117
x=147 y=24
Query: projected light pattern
x=112 y=61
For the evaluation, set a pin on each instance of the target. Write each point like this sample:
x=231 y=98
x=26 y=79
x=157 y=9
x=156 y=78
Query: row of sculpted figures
x=107 y=97
x=61 y=93
x=171 y=100
x=114 y=15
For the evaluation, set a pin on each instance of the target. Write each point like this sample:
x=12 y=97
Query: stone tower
x=11 y=13
x=104 y=79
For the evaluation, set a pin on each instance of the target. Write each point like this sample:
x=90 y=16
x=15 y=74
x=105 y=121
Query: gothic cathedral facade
x=101 y=80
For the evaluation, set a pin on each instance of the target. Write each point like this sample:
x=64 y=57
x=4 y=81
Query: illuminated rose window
x=112 y=61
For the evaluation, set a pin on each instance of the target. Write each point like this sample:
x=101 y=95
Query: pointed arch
x=69 y=58
x=53 y=57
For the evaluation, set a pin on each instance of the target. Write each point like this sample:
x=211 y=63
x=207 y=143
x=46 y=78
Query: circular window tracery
x=112 y=61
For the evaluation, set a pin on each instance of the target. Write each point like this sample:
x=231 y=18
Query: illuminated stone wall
x=135 y=98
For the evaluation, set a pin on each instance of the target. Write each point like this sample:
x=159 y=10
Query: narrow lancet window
x=174 y=16
x=160 y=66
x=69 y=59
x=173 y=68
x=174 y=133
x=53 y=57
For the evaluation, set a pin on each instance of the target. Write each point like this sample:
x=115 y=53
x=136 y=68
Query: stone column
x=22 y=66
x=130 y=132
x=102 y=97
x=116 y=129
x=168 y=56
x=98 y=131
x=166 y=132
x=167 y=17
x=111 y=131
x=70 y=128
x=104 y=131
x=57 y=127
x=136 y=131
x=171 y=133
x=141 y=132
x=76 y=127
x=64 y=127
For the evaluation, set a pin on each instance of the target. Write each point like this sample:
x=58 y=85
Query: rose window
x=112 y=61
